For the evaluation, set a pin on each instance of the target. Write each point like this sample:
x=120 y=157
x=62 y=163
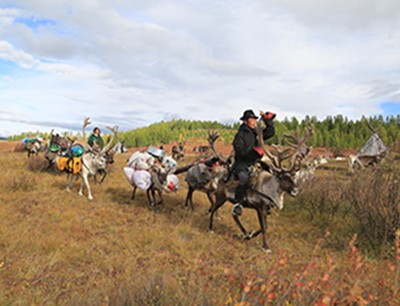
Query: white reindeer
x=92 y=161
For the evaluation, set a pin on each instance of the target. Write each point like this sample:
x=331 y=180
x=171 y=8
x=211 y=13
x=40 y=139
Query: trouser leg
x=244 y=178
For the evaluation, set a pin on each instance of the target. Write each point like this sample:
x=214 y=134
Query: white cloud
x=139 y=62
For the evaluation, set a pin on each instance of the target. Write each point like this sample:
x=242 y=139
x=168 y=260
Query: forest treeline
x=336 y=132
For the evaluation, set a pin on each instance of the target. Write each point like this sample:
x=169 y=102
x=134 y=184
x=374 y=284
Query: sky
x=132 y=63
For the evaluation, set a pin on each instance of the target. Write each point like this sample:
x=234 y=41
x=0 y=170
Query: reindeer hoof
x=90 y=198
x=211 y=231
x=267 y=250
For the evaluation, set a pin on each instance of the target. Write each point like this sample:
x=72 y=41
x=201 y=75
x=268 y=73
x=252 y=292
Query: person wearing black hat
x=248 y=151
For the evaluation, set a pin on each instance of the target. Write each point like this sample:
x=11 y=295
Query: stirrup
x=237 y=209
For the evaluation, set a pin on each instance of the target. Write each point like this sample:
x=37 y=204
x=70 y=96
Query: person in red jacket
x=248 y=152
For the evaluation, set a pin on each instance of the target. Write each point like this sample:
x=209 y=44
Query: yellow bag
x=71 y=165
x=62 y=163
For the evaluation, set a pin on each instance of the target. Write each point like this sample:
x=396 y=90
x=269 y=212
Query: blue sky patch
x=390 y=108
x=7 y=67
x=35 y=23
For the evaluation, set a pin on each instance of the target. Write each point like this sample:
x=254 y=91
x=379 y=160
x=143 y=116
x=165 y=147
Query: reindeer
x=57 y=146
x=33 y=147
x=204 y=175
x=307 y=175
x=269 y=187
x=177 y=151
x=201 y=149
x=92 y=162
x=159 y=178
x=119 y=148
x=361 y=162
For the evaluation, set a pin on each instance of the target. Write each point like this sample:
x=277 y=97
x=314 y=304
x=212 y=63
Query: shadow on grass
x=122 y=196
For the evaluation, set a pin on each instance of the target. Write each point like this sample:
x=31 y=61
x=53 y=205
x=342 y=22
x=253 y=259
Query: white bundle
x=140 y=161
x=139 y=178
x=172 y=182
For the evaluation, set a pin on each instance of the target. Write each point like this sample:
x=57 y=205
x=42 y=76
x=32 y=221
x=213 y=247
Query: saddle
x=232 y=180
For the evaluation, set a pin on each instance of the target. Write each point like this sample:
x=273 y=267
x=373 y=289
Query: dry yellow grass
x=60 y=248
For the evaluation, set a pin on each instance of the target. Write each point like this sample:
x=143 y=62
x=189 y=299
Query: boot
x=238 y=207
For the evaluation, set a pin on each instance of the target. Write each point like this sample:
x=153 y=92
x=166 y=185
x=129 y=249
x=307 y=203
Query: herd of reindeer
x=210 y=173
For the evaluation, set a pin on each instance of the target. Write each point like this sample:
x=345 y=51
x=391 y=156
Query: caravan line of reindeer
x=282 y=175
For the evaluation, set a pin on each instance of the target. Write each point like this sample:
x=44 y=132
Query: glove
x=259 y=151
x=268 y=116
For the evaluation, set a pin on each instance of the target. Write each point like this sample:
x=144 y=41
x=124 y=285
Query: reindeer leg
x=161 y=197
x=189 y=198
x=242 y=229
x=86 y=180
x=149 y=198
x=133 y=193
x=153 y=195
x=210 y=198
x=263 y=222
x=257 y=232
x=81 y=188
x=68 y=182
x=103 y=178
x=215 y=206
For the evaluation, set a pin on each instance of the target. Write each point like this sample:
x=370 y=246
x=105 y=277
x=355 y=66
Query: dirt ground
x=8 y=146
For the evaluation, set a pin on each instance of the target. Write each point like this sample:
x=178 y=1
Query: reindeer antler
x=308 y=133
x=296 y=151
x=86 y=122
x=274 y=162
x=113 y=129
x=212 y=138
x=300 y=147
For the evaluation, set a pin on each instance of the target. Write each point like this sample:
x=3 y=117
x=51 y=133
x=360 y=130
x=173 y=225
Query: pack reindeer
x=57 y=146
x=119 y=148
x=33 y=147
x=159 y=174
x=177 y=151
x=93 y=162
x=204 y=175
x=270 y=186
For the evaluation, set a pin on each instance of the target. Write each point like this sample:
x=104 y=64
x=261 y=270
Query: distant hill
x=171 y=131
x=3 y=138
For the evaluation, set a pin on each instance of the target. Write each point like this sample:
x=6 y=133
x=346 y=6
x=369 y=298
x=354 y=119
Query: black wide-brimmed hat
x=248 y=114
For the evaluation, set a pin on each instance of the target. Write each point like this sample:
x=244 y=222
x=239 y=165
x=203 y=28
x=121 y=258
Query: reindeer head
x=295 y=154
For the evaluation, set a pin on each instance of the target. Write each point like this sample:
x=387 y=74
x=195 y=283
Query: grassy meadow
x=59 y=248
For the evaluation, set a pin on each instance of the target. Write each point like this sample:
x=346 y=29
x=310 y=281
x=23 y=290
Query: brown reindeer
x=204 y=175
x=269 y=187
x=178 y=151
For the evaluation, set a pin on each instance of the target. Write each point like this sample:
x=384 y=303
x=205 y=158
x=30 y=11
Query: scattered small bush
x=37 y=164
x=375 y=197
